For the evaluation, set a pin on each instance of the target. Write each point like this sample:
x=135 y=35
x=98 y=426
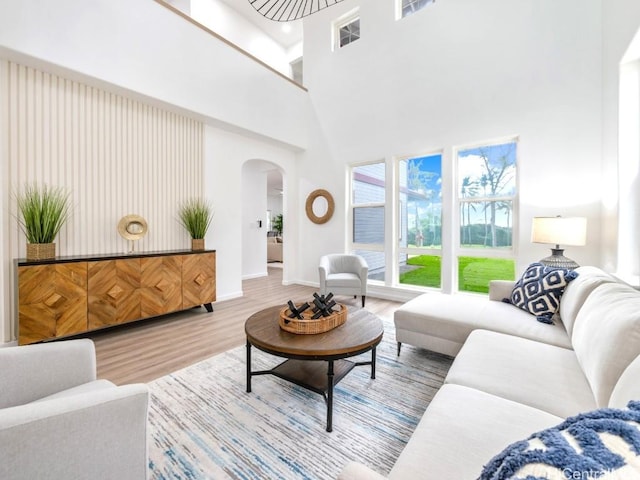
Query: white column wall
x=225 y=155
x=621 y=22
x=629 y=172
x=457 y=73
x=7 y=266
x=254 y=257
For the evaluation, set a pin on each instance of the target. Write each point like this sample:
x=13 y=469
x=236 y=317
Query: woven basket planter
x=41 y=251
x=310 y=326
x=197 y=244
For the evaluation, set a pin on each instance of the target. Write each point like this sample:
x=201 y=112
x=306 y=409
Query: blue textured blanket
x=602 y=444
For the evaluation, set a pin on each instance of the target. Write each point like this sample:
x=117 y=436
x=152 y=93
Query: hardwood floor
x=146 y=350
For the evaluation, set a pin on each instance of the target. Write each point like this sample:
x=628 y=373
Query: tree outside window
x=420 y=225
x=421 y=195
x=486 y=196
x=487 y=187
x=478 y=225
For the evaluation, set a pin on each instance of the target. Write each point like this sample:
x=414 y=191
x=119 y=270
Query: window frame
x=407 y=249
x=400 y=250
x=400 y=9
x=370 y=247
x=340 y=23
x=450 y=249
x=488 y=252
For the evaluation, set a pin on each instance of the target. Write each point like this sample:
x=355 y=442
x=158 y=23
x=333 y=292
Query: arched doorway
x=275 y=218
x=263 y=196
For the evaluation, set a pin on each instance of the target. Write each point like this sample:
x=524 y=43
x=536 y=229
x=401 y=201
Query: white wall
x=7 y=266
x=182 y=5
x=225 y=21
x=628 y=171
x=115 y=156
x=254 y=251
x=621 y=22
x=143 y=47
x=144 y=52
x=319 y=168
x=225 y=155
x=457 y=73
x=274 y=204
x=296 y=51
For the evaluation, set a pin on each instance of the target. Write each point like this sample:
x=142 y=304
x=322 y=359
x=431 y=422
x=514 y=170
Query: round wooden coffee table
x=306 y=354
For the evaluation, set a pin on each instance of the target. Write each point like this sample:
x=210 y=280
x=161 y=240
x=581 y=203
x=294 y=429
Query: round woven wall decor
x=330 y=206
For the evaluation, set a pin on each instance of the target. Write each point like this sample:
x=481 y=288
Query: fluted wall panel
x=115 y=155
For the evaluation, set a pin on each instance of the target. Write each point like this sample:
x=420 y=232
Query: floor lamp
x=559 y=231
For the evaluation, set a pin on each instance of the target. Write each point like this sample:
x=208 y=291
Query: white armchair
x=58 y=422
x=343 y=274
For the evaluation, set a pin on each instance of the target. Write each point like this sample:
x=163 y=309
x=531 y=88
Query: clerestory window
x=347 y=30
x=407 y=7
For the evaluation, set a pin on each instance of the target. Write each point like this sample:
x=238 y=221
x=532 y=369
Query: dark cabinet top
x=107 y=256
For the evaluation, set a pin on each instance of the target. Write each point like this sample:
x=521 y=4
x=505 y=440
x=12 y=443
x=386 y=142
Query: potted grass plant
x=43 y=212
x=196 y=215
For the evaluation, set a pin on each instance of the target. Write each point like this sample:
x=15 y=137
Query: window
x=347 y=30
x=438 y=220
x=368 y=192
x=486 y=196
x=407 y=7
x=350 y=32
x=420 y=220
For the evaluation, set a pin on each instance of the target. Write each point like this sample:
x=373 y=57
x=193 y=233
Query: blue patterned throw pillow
x=602 y=444
x=539 y=290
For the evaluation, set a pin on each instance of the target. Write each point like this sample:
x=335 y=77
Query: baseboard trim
x=229 y=296
x=254 y=275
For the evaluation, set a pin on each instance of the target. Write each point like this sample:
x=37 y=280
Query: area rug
x=204 y=425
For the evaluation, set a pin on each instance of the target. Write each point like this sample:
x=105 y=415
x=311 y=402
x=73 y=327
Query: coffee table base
x=312 y=375
x=319 y=376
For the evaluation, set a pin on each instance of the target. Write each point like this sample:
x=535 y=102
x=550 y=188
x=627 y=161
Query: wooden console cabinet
x=73 y=295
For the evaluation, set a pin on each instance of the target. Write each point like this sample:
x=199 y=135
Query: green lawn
x=428 y=275
x=474 y=273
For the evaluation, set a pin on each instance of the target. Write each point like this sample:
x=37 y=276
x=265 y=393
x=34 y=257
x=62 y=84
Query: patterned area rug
x=204 y=425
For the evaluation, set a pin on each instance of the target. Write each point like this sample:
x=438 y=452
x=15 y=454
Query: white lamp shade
x=559 y=230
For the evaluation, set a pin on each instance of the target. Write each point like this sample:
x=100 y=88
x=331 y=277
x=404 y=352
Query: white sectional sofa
x=512 y=375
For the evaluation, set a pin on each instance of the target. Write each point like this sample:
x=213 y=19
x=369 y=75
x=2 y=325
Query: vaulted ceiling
x=286 y=34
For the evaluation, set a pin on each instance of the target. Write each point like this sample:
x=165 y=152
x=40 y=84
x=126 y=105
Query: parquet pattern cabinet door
x=52 y=301
x=198 y=279
x=114 y=292
x=75 y=296
x=161 y=285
